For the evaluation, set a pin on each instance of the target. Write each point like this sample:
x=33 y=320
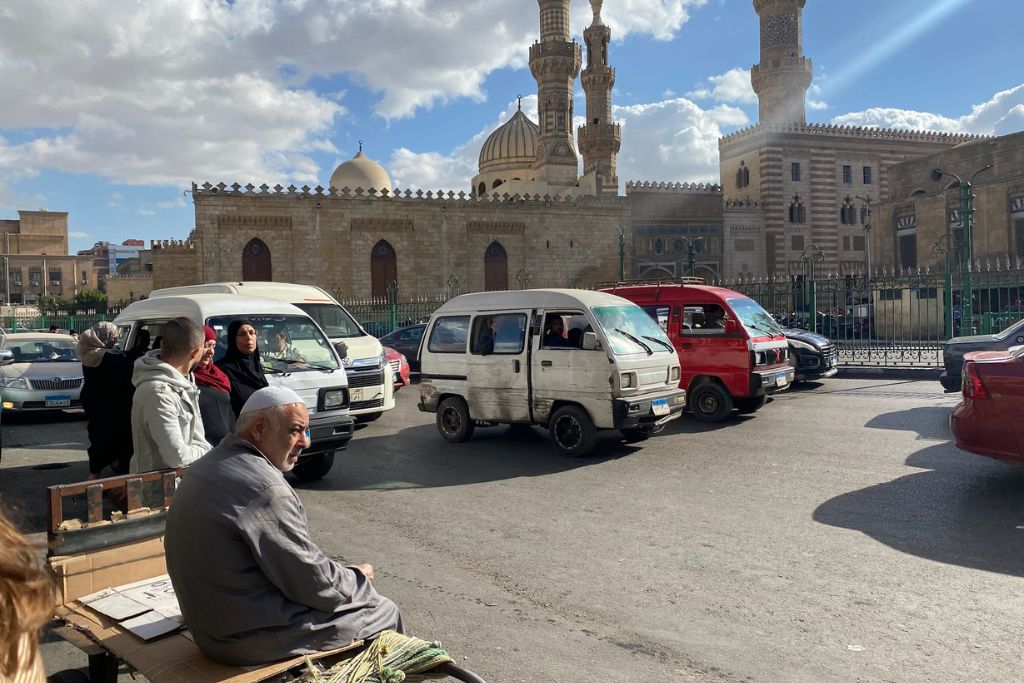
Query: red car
x=988 y=420
x=399 y=366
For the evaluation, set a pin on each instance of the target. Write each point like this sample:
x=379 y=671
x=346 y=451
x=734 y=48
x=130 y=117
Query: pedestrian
x=241 y=363
x=26 y=606
x=106 y=396
x=214 y=393
x=74 y=334
x=54 y=329
x=167 y=426
x=252 y=585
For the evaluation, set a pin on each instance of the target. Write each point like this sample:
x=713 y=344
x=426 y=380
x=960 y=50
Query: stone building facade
x=920 y=223
x=667 y=220
x=36 y=260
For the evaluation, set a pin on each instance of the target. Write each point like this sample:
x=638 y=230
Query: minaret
x=783 y=75
x=555 y=63
x=600 y=137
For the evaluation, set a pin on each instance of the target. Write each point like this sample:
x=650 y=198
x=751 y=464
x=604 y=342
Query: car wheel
x=453 y=420
x=369 y=417
x=572 y=431
x=745 y=406
x=710 y=402
x=635 y=435
x=314 y=467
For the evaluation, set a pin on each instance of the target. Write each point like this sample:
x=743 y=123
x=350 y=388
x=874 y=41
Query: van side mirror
x=342 y=349
x=590 y=342
x=6 y=356
x=732 y=326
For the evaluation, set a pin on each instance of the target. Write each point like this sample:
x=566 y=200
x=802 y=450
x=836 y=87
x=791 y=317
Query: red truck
x=732 y=352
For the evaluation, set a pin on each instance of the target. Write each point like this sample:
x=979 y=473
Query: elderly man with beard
x=252 y=586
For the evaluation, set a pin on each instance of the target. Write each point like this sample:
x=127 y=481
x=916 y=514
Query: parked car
x=399 y=367
x=406 y=340
x=954 y=349
x=39 y=371
x=988 y=420
x=732 y=352
x=812 y=355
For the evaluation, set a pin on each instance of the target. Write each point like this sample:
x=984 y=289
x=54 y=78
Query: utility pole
x=622 y=254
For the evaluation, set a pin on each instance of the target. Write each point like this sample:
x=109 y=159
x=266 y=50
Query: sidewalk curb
x=861 y=372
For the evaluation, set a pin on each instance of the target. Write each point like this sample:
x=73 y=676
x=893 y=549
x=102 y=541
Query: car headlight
x=627 y=380
x=335 y=398
x=759 y=358
x=13 y=383
x=673 y=374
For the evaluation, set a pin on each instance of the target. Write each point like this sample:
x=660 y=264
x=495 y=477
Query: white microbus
x=369 y=376
x=574 y=361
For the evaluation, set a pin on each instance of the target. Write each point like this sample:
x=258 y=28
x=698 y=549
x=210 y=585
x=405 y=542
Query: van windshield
x=630 y=330
x=754 y=318
x=287 y=343
x=333 y=319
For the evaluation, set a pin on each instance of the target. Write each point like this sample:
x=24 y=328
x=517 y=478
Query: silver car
x=39 y=371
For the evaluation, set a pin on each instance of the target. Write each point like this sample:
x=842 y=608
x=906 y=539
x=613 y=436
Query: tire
x=572 y=431
x=745 y=406
x=710 y=402
x=369 y=417
x=314 y=467
x=67 y=676
x=635 y=435
x=453 y=420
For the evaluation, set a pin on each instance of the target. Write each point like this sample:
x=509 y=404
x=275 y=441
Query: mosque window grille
x=794 y=171
x=848 y=212
x=1019 y=236
x=797 y=211
x=907 y=250
x=847 y=175
x=742 y=176
x=867 y=175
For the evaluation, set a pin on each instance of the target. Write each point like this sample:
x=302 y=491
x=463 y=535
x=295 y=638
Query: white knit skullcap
x=270 y=397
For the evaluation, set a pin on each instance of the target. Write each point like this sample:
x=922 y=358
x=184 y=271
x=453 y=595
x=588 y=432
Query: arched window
x=482 y=190
x=797 y=211
x=256 y=261
x=383 y=269
x=495 y=268
x=742 y=176
x=496 y=183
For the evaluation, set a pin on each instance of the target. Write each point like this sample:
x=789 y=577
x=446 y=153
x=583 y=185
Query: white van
x=572 y=360
x=319 y=380
x=369 y=375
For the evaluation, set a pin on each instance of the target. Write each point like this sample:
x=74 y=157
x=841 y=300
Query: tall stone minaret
x=555 y=63
x=600 y=138
x=783 y=75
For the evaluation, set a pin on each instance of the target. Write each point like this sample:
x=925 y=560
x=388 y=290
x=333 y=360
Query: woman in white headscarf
x=107 y=399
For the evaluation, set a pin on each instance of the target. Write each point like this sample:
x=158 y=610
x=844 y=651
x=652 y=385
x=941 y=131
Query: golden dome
x=512 y=144
x=361 y=172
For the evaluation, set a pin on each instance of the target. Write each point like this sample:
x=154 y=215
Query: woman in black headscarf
x=241 y=363
x=107 y=399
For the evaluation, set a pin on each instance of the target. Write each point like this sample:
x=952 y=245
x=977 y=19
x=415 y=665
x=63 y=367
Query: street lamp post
x=947 y=280
x=967 y=249
x=811 y=255
x=622 y=254
x=691 y=250
x=866 y=219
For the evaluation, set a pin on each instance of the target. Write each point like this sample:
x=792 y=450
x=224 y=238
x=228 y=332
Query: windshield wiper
x=632 y=338
x=328 y=368
x=659 y=341
x=765 y=330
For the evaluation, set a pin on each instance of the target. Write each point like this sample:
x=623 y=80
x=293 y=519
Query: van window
x=703 y=319
x=289 y=343
x=332 y=319
x=503 y=333
x=659 y=314
x=755 y=319
x=449 y=334
x=630 y=330
x=573 y=325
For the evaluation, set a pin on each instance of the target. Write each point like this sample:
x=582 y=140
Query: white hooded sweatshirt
x=167 y=428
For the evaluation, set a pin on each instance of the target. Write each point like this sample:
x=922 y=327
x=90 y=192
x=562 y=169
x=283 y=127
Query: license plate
x=781 y=381
x=660 y=406
x=58 y=401
x=355 y=394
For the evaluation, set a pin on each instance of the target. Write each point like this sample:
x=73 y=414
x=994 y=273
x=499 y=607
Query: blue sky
x=113 y=107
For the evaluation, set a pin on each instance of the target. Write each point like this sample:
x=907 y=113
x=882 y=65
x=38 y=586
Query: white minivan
x=319 y=379
x=370 y=380
x=574 y=361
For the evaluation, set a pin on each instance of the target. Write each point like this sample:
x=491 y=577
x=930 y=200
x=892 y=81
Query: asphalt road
x=835 y=535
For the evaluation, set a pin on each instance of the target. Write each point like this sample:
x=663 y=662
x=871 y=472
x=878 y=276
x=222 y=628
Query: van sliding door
x=498 y=367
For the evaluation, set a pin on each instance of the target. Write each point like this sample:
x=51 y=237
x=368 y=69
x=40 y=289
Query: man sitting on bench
x=252 y=586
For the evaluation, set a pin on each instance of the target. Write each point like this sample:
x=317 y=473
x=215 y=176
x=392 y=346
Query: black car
x=811 y=355
x=954 y=349
x=406 y=340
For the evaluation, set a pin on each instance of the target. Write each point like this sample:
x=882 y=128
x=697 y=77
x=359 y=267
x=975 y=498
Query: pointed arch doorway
x=256 y=264
x=495 y=268
x=383 y=269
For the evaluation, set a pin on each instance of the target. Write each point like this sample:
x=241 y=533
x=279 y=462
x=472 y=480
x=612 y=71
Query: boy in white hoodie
x=167 y=426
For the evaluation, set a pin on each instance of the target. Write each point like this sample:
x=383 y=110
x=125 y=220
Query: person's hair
x=246 y=420
x=52 y=328
x=181 y=336
x=26 y=597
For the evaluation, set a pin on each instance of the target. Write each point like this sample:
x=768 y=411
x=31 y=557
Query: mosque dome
x=512 y=144
x=361 y=172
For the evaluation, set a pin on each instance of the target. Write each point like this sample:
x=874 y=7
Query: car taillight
x=972 y=385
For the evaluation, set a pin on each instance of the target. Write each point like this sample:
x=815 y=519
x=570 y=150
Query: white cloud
x=147 y=212
x=1001 y=115
x=173 y=204
x=731 y=87
x=78 y=235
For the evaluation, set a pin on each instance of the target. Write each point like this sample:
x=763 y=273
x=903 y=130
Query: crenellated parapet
x=206 y=190
x=743 y=204
x=861 y=132
x=173 y=245
x=668 y=187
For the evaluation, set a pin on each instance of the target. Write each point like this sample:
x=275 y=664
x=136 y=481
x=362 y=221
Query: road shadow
x=965 y=510
x=930 y=422
x=688 y=424
x=23 y=491
x=418 y=457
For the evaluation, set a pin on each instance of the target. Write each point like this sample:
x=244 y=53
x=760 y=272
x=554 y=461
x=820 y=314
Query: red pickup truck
x=732 y=352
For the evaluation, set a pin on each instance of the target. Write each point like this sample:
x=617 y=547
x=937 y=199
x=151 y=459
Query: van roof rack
x=683 y=280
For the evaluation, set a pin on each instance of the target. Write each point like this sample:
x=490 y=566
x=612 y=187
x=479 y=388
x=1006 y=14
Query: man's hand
x=366 y=569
